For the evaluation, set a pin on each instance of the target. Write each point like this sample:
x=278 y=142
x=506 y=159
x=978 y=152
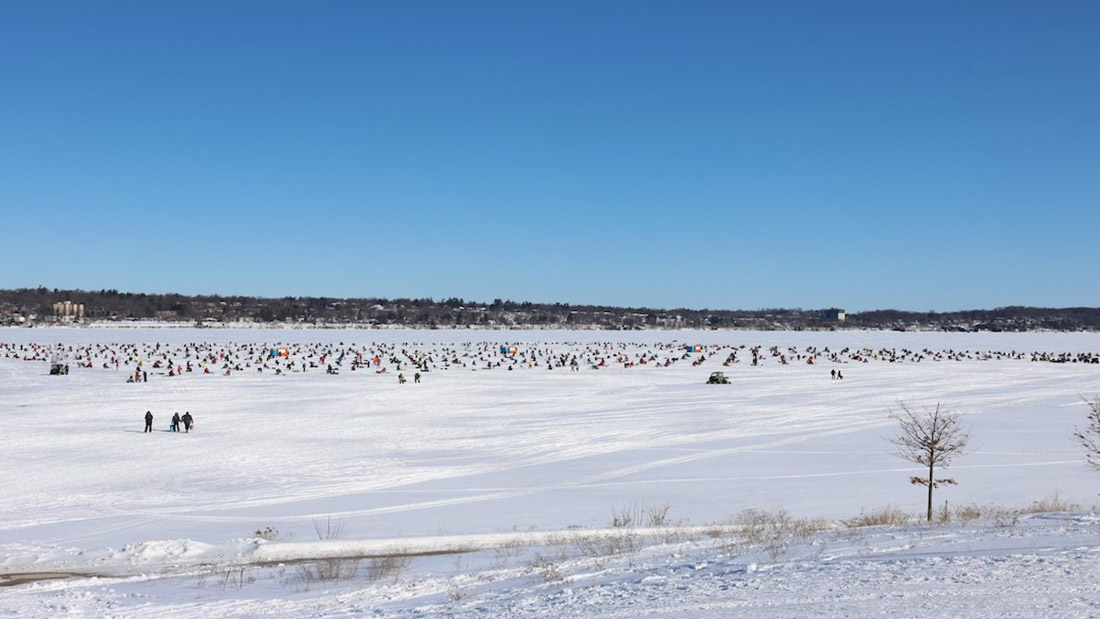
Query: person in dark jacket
x=175 y=422
x=148 y=421
x=187 y=420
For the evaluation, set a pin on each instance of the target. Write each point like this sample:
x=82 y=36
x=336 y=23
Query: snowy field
x=504 y=483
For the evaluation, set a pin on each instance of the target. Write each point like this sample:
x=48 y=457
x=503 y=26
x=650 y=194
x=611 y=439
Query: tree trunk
x=930 y=469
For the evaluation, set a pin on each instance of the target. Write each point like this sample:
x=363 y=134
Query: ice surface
x=483 y=452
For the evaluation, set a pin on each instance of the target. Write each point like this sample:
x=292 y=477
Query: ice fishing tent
x=59 y=365
x=508 y=350
x=279 y=352
x=693 y=348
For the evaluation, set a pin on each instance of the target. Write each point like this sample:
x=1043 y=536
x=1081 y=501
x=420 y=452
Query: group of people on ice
x=141 y=361
x=187 y=422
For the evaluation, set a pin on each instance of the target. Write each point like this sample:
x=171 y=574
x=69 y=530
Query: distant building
x=833 y=313
x=68 y=309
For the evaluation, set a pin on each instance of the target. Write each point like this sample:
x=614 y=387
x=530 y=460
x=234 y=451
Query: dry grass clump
x=636 y=514
x=607 y=545
x=392 y=566
x=772 y=531
x=966 y=513
x=626 y=515
x=234 y=577
x=1053 y=503
x=545 y=568
x=883 y=516
x=1002 y=516
x=329 y=528
x=997 y=514
x=328 y=570
x=513 y=548
x=657 y=515
x=760 y=525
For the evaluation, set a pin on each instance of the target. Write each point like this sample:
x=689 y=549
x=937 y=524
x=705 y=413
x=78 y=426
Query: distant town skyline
x=48 y=307
x=70 y=306
x=726 y=155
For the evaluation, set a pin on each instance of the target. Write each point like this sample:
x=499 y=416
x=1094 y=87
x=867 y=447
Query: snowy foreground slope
x=517 y=476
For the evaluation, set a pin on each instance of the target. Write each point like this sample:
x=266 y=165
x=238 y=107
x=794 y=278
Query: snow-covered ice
x=504 y=465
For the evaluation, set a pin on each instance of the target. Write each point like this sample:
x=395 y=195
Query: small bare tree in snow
x=1090 y=437
x=931 y=437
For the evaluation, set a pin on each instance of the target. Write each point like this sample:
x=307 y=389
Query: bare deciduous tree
x=931 y=437
x=1090 y=437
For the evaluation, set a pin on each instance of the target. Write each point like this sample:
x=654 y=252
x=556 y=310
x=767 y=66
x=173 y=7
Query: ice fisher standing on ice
x=148 y=421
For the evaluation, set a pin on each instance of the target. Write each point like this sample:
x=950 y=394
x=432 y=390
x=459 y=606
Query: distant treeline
x=35 y=306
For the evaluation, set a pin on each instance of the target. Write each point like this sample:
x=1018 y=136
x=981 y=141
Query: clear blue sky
x=913 y=155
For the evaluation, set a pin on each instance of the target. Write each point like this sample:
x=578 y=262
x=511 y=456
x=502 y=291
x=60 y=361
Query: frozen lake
x=473 y=449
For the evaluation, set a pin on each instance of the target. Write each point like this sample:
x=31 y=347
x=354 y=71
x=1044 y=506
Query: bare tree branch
x=931 y=437
x=1090 y=437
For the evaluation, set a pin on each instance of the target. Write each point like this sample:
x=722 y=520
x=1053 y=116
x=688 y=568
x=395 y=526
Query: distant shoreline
x=112 y=308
